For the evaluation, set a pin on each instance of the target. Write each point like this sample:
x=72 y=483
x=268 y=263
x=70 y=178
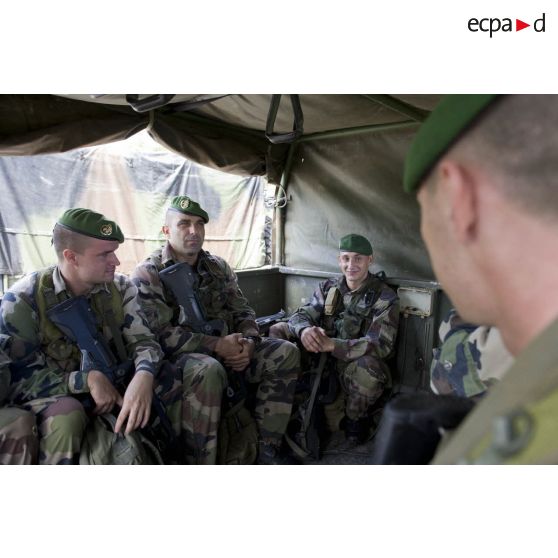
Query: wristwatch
x=255 y=338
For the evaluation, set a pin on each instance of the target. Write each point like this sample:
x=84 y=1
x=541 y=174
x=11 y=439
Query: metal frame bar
x=399 y=106
x=279 y=216
x=343 y=132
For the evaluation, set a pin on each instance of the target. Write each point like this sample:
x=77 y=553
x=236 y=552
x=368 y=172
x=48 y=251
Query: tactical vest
x=354 y=320
x=107 y=308
x=211 y=291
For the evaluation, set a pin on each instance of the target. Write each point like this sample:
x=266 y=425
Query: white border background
x=249 y=46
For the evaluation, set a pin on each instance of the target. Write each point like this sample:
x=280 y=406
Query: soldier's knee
x=19 y=442
x=368 y=383
x=366 y=376
x=290 y=353
x=212 y=372
x=65 y=418
x=25 y=424
x=281 y=330
x=13 y=419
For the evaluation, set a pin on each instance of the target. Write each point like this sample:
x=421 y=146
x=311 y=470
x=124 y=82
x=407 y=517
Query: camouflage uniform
x=45 y=375
x=19 y=444
x=515 y=423
x=275 y=365
x=470 y=360
x=363 y=327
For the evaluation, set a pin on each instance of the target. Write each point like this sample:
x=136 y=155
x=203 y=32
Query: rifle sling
x=295 y=447
x=113 y=326
x=315 y=387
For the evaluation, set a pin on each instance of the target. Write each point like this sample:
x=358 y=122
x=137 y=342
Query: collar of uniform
x=202 y=257
x=167 y=255
x=58 y=281
x=344 y=288
x=60 y=284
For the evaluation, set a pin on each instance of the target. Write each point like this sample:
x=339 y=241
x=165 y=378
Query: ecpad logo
x=494 y=24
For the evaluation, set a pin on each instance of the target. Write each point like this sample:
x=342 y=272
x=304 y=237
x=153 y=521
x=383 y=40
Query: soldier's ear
x=371 y=260
x=165 y=230
x=69 y=256
x=459 y=189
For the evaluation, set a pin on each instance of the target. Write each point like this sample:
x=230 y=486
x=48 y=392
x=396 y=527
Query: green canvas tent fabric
x=342 y=175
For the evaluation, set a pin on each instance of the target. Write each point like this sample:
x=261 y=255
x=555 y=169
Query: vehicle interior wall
x=272 y=289
x=353 y=184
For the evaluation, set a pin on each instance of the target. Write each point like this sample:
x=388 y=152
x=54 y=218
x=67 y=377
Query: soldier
x=271 y=363
x=46 y=377
x=355 y=319
x=19 y=444
x=484 y=168
x=470 y=359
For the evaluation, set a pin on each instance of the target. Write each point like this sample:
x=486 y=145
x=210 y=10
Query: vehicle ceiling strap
x=298 y=124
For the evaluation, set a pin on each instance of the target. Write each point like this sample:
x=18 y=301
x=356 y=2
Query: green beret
x=451 y=118
x=184 y=204
x=90 y=223
x=355 y=243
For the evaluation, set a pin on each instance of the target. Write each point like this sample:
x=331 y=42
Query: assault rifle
x=306 y=434
x=75 y=318
x=265 y=322
x=410 y=428
x=181 y=281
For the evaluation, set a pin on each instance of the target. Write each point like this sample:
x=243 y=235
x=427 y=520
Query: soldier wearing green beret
x=47 y=377
x=483 y=168
x=354 y=319
x=271 y=364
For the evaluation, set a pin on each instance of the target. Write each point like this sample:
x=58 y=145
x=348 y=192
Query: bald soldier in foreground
x=47 y=375
x=484 y=168
x=272 y=364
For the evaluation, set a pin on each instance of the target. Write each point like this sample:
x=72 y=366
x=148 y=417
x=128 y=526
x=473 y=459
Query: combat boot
x=270 y=454
x=356 y=431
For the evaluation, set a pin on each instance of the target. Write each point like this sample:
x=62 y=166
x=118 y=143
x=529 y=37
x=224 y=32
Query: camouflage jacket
x=515 y=422
x=364 y=322
x=470 y=359
x=218 y=292
x=4 y=369
x=43 y=367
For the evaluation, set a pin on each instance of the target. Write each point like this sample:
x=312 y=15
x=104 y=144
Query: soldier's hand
x=311 y=338
x=229 y=345
x=240 y=361
x=326 y=343
x=136 y=406
x=103 y=392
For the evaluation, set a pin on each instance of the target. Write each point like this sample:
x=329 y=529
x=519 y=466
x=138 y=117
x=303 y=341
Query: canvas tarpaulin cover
x=349 y=181
x=353 y=185
x=133 y=187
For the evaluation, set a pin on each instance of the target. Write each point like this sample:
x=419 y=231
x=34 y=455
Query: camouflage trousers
x=275 y=367
x=61 y=422
x=191 y=390
x=363 y=382
x=19 y=444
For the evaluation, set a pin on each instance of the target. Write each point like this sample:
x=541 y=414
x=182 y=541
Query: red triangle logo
x=519 y=25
